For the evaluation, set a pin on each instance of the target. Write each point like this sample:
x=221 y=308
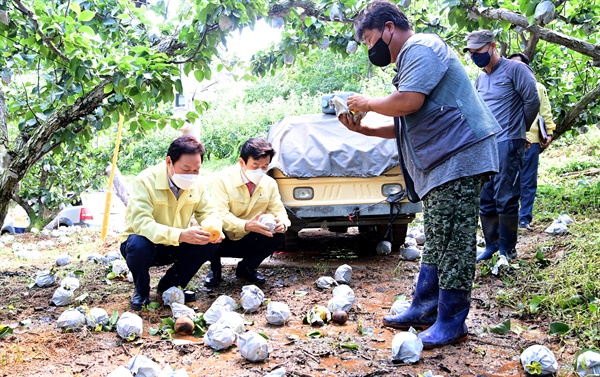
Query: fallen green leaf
x=5 y=330
x=78 y=272
x=153 y=331
x=314 y=334
x=114 y=318
x=82 y=297
x=111 y=275
x=301 y=293
x=350 y=346
x=535 y=303
x=502 y=328
x=154 y=305
x=263 y=335
x=559 y=328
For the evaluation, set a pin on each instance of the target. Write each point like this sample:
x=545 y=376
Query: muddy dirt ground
x=39 y=349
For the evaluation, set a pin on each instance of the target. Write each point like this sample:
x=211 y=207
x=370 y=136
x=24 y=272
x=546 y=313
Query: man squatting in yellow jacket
x=163 y=200
x=241 y=194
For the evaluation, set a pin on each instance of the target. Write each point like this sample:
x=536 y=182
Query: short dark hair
x=376 y=14
x=524 y=58
x=185 y=144
x=256 y=148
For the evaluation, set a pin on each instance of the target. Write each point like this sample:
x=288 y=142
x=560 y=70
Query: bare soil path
x=40 y=349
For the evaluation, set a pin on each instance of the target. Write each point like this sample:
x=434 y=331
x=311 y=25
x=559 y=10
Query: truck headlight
x=391 y=189
x=304 y=193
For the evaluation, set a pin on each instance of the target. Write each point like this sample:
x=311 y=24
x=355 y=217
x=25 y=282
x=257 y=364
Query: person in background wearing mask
x=447 y=146
x=510 y=91
x=242 y=193
x=529 y=172
x=163 y=200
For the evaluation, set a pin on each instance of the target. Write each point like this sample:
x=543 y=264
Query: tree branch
x=548 y=35
x=572 y=115
x=531 y=46
x=282 y=8
x=3 y=126
x=193 y=56
x=23 y=9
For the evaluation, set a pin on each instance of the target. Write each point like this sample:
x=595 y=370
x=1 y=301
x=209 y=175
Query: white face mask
x=254 y=176
x=184 y=181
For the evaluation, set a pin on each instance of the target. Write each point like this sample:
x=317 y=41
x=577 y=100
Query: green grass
x=562 y=284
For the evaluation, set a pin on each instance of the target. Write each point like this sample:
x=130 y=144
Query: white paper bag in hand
x=268 y=220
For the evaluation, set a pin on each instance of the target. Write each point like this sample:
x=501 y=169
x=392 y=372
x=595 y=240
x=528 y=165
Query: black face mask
x=380 y=54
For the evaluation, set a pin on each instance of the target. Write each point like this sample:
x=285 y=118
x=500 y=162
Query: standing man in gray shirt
x=445 y=134
x=509 y=89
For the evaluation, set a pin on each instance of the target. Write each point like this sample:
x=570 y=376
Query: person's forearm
x=396 y=104
x=386 y=131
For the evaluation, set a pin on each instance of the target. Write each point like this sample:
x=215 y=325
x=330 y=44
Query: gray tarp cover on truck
x=320 y=146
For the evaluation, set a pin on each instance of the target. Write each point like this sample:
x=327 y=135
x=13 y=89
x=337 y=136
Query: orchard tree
x=70 y=67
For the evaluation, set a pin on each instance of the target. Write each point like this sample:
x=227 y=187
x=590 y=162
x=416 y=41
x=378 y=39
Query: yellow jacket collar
x=162 y=178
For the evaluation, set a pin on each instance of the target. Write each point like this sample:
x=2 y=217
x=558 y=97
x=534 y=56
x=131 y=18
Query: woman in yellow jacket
x=163 y=200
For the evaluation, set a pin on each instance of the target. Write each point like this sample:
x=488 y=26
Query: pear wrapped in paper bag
x=341 y=107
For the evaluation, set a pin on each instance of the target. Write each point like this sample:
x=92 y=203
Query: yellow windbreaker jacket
x=545 y=112
x=155 y=213
x=235 y=205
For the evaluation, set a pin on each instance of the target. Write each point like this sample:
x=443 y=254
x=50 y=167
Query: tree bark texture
x=28 y=145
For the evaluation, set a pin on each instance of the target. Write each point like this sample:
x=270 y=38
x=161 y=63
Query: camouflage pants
x=450 y=214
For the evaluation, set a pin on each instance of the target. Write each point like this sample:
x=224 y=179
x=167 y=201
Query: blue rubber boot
x=422 y=312
x=450 y=326
x=508 y=230
x=489 y=225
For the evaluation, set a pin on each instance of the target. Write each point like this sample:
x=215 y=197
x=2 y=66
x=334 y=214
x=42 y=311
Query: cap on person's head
x=478 y=39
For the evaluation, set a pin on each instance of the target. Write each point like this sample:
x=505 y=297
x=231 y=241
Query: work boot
x=138 y=301
x=450 y=327
x=214 y=278
x=489 y=226
x=422 y=312
x=508 y=230
x=248 y=274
